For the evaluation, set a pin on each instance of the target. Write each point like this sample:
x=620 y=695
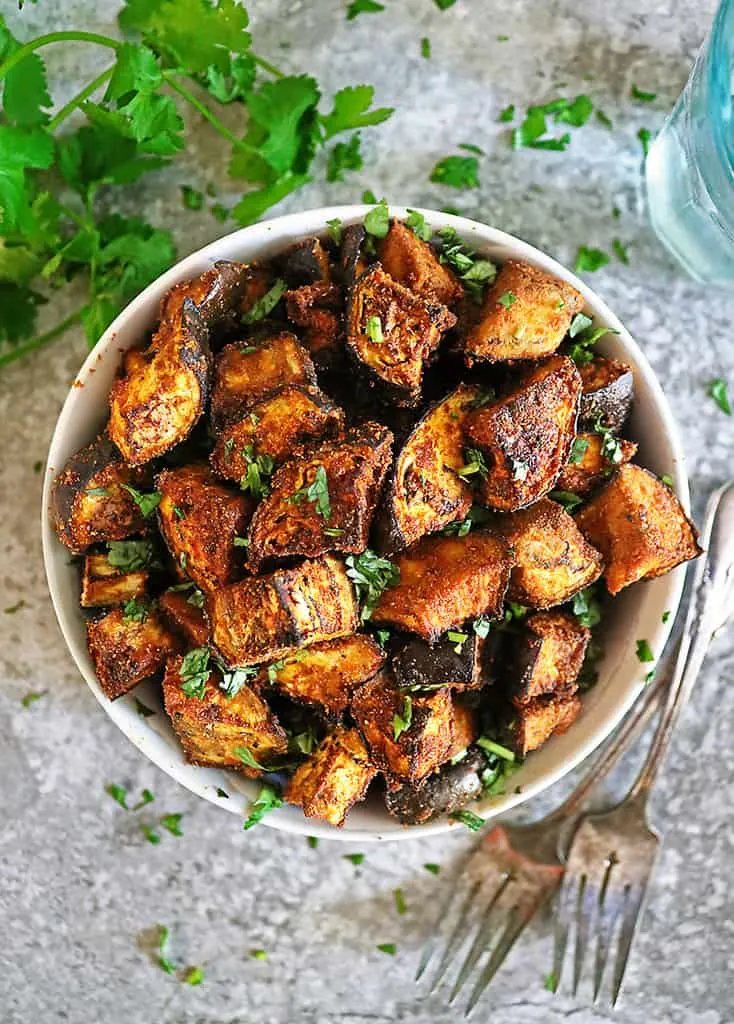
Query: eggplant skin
x=214 y=293
x=333 y=779
x=608 y=394
x=418 y=665
x=127 y=651
x=639 y=526
x=526 y=437
x=306 y=263
x=353 y=261
x=157 y=405
x=444 y=792
x=535 y=722
x=545 y=656
x=424 y=493
x=89 y=503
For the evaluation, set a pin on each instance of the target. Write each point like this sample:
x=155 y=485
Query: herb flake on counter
x=354 y=858
x=312 y=842
x=264 y=306
x=172 y=823
x=146 y=797
x=468 y=818
x=590 y=260
x=13 y=608
x=644 y=135
x=401 y=722
x=399 y=898
x=604 y=119
x=163 y=961
x=370 y=575
x=268 y=799
x=358 y=7
x=457 y=172
x=31 y=697
x=665 y=617
x=507 y=114
x=222 y=794
x=343 y=157
x=443 y=5
x=620 y=251
x=388 y=947
x=258 y=954
x=434 y=869
x=718 y=391
x=191 y=198
x=118 y=794
x=426 y=48
x=639 y=94
x=644 y=651
x=194 y=975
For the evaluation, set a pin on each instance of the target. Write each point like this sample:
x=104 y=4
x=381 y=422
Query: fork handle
x=711 y=588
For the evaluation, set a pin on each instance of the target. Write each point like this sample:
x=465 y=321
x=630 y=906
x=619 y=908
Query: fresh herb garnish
x=468 y=818
x=417 y=224
x=604 y=119
x=590 y=260
x=499 y=764
x=569 y=500
x=520 y=470
x=317 y=492
x=388 y=947
x=377 y=220
x=194 y=975
x=147 y=503
x=549 y=982
x=383 y=637
x=611 y=446
x=146 y=797
x=264 y=306
x=717 y=391
x=585 y=606
x=247 y=758
x=426 y=48
x=665 y=617
x=374 y=330
x=457 y=638
x=473 y=464
x=667 y=480
x=259 y=470
x=118 y=794
x=240 y=542
x=579 y=323
x=401 y=722
x=399 y=898
x=354 y=858
x=478 y=515
x=639 y=94
x=507 y=114
x=644 y=135
x=475 y=273
x=312 y=842
x=457 y=172
x=172 y=823
x=191 y=198
x=167 y=965
x=492 y=747
x=97 y=492
x=443 y=5
x=344 y=156
x=507 y=299
x=435 y=869
x=131 y=555
x=334 y=227
x=644 y=651
x=268 y=800
x=194 y=672
x=370 y=575
x=584 y=338
x=234 y=679
x=258 y=954
x=358 y=7
x=620 y=251
x=532 y=131
x=515 y=611
x=135 y=610
x=579 y=448
x=221 y=793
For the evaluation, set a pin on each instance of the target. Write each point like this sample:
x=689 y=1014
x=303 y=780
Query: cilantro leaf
x=604 y=119
x=377 y=220
x=443 y=5
x=578 y=450
x=370 y=575
x=131 y=555
x=585 y=606
x=567 y=499
x=193 y=975
x=644 y=135
x=352 y=110
x=358 y=7
x=590 y=259
x=417 y=224
x=468 y=818
x=426 y=48
x=644 y=651
x=286 y=110
x=19 y=308
x=25 y=93
x=401 y=722
x=21 y=150
x=457 y=172
x=265 y=305
x=344 y=156
x=620 y=251
x=317 y=492
x=267 y=800
x=507 y=114
x=389 y=947
x=717 y=390
x=247 y=758
x=194 y=672
x=638 y=94
x=254 y=204
x=147 y=503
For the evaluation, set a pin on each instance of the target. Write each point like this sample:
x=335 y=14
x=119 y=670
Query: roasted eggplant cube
x=419 y=665
x=333 y=779
x=325 y=675
x=465 y=727
x=413 y=263
x=526 y=437
x=639 y=526
x=215 y=293
x=607 y=396
x=306 y=263
x=245 y=372
x=526 y=315
x=104 y=585
x=89 y=503
x=185 y=618
x=412 y=753
x=155 y=407
x=199 y=519
x=266 y=618
x=127 y=650
x=546 y=656
x=213 y=728
x=259 y=280
x=392 y=332
x=424 y=493
x=276 y=428
x=444 y=792
x=322 y=502
x=589 y=467
x=319 y=310
x=537 y=721
x=444 y=581
x=553 y=560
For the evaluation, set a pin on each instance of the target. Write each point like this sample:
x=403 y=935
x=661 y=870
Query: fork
x=613 y=853
x=514 y=871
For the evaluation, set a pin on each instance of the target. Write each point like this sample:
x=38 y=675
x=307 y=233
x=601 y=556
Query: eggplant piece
x=185 y=619
x=258 y=282
x=214 y=726
x=412 y=262
x=246 y=372
x=446 y=580
x=89 y=503
x=535 y=722
x=276 y=428
x=324 y=501
x=545 y=656
x=425 y=743
x=199 y=519
x=607 y=396
x=591 y=467
x=640 y=528
x=306 y=263
x=418 y=665
x=334 y=778
x=319 y=310
x=526 y=437
x=104 y=585
x=553 y=560
x=214 y=293
x=267 y=618
x=526 y=315
x=391 y=333
x=445 y=792
x=353 y=261
x=424 y=493
x=324 y=675
x=126 y=650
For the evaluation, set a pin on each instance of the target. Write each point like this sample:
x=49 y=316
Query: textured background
x=80 y=888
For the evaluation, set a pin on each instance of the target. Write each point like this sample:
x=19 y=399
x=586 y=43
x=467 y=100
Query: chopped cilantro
x=503 y=39
x=317 y=492
x=477 y=516
x=590 y=259
x=264 y=306
x=335 y=230
x=37 y=466
x=579 y=323
x=97 y=492
x=344 y=156
x=131 y=555
x=426 y=48
x=118 y=794
x=354 y=858
x=434 y=869
x=604 y=119
x=191 y=198
x=474 y=463
x=374 y=330
x=638 y=94
x=194 y=672
x=443 y=5
x=567 y=499
x=258 y=954
x=549 y=982
x=492 y=747
x=667 y=480
x=312 y=842
x=399 y=898
x=585 y=606
x=247 y=758
x=611 y=447
x=585 y=339
x=194 y=975
x=417 y=224
x=389 y=947
x=620 y=251
x=469 y=147
x=401 y=722
x=515 y=611
x=377 y=220
x=13 y=608
x=183 y=559
x=579 y=448
x=357 y=7
x=370 y=575
x=644 y=651
x=644 y=136
x=150 y=834
x=234 y=679
x=457 y=638
x=717 y=391
x=507 y=299
x=259 y=470
x=146 y=797
x=507 y=114
x=665 y=617
x=241 y=542
x=268 y=800
x=221 y=793
x=219 y=212
x=31 y=697
x=172 y=823
x=468 y=818
x=167 y=965
x=474 y=271
x=368 y=196
x=135 y=610
x=457 y=172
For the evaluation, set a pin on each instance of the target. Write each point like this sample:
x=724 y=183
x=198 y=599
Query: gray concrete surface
x=80 y=888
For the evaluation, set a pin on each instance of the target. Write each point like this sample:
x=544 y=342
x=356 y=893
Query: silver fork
x=514 y=871
x=612 y=854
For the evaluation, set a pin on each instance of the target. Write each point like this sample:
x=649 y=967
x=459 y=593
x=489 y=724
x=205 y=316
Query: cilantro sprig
x=370 y=575
x=177 y=55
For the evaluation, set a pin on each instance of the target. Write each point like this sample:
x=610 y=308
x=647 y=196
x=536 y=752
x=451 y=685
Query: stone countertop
x=81 y=891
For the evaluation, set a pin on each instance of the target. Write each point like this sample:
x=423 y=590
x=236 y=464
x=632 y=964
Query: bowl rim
x=288 y=229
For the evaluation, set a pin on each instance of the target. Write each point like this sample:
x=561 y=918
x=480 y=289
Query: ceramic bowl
x=637 y=612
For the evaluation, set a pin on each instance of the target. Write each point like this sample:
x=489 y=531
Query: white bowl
x=637 y=613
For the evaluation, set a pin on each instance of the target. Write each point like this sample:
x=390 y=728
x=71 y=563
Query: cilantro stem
x=41 y=340
x=76 y=101
x=267 y=66
x=206 y=113
x=55 y=37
